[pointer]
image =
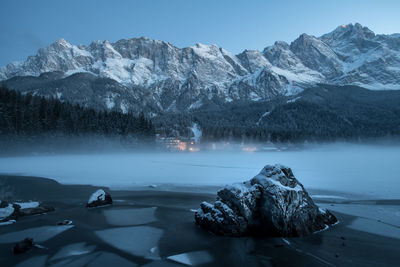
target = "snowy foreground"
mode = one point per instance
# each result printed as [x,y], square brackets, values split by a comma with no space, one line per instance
[371,171]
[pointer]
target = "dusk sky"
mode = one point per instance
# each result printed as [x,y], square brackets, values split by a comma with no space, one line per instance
[27,25]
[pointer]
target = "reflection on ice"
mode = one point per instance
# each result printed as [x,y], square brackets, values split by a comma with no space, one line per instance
[73,250]
[192,258]
[39,234]
[137,240]
[125,217]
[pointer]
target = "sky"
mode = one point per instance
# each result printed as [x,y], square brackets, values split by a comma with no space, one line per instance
[27,25]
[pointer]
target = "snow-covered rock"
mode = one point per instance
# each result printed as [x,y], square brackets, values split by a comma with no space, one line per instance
[273,203]
[6,210]
[99,198]
[12,211]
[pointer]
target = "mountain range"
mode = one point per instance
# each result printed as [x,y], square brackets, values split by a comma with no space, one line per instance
[143,74]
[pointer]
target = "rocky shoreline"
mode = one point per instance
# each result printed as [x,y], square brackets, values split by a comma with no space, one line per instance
[156,228]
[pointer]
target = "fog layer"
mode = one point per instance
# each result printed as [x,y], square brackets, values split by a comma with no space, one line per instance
[369,170]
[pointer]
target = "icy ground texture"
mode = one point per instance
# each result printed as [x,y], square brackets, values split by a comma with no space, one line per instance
[192,258]
[39,234]
[375,219]
[137,240]
[94,259]
[273,203]
[125,217]
[73,250]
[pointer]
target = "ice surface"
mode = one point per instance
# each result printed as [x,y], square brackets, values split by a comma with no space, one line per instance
[39,234]
[162,263]
[192,258]
[137,240]
[37,261]
[389,214]
[73,250]
[327,197]
[77,261]
[335,168]
[110,259]
[375,227]
[122,217]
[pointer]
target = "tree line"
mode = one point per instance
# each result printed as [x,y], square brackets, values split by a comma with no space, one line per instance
[28,115]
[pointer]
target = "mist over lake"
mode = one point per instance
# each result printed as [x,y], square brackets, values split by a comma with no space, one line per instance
[370,170]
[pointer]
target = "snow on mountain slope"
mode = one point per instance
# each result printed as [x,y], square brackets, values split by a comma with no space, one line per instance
[170,78]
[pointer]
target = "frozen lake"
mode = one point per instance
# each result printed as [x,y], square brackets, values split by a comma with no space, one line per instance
[370,170]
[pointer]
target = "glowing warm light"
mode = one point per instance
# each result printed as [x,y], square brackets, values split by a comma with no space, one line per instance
[182,146]
[194,149]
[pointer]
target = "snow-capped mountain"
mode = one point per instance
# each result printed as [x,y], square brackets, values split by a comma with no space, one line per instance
[169,78]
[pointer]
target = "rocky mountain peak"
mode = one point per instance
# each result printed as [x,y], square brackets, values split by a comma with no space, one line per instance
[167,76]
[348,33]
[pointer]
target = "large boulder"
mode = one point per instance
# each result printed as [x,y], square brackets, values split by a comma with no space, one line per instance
[273,203]
[99,198]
